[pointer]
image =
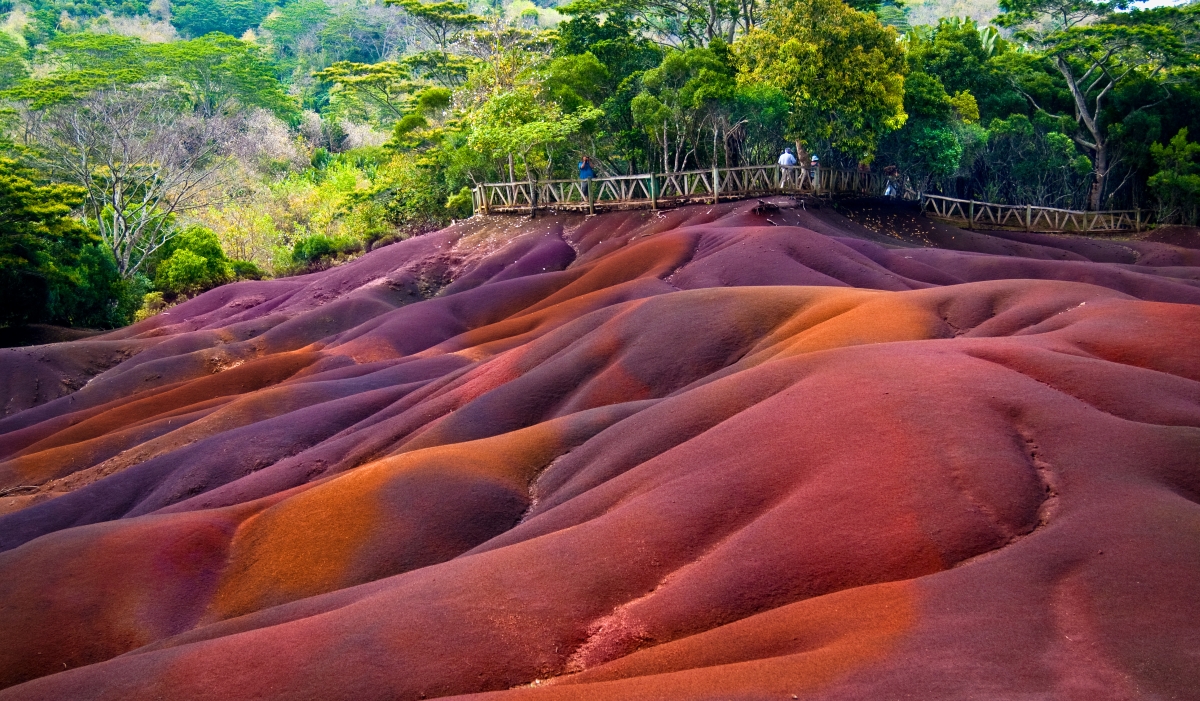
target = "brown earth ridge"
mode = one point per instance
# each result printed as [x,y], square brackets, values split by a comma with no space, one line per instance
[756,450]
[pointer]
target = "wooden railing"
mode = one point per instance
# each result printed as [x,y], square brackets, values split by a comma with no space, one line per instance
[651,191]
[985,215]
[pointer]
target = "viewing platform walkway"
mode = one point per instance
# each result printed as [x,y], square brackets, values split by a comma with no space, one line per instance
[666,190]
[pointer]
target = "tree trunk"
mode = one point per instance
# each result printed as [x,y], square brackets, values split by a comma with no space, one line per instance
[1099,177]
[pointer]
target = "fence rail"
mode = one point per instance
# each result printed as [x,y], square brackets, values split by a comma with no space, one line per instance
[652,191]
[986,215]
[670,189]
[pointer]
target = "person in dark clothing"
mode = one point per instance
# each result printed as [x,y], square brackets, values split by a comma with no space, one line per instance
[586,173]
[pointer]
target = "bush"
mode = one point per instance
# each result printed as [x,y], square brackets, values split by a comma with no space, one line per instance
[1176,185]
[317,247]
[245,270]
[196,264]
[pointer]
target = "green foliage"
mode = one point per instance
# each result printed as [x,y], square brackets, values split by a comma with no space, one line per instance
[199,17]
[211,74]
[842,70]
[1176,185]
[13,66]
[439,22]
[519,123]
[313,249]
[52,270]
[966,59]
[379,91]
[192,263]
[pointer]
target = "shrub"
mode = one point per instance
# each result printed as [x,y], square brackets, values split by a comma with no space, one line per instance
[196,264]
[317,247]
[1176,185]
[245,270]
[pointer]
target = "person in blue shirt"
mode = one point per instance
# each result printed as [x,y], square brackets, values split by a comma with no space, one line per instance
[586,173]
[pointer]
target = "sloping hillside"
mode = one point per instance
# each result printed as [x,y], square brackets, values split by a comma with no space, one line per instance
[753,450]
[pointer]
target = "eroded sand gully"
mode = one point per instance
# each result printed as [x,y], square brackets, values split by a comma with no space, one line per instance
[719,452]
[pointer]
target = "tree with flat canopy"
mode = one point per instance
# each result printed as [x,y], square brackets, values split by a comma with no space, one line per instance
[439,22]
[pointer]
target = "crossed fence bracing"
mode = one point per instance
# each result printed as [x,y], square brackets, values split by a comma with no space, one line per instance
[670,189]
[985,215]
[653,191]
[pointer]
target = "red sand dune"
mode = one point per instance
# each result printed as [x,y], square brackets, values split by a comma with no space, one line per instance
[749,451]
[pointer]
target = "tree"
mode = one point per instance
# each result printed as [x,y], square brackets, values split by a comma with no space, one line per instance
[139,159]
[220,74]
[517,122]
[1096,50]
[384,85]
[679,23]
[1177,182]
[686,94]
[842,70]
[196,263]
[52,270]
[439,21]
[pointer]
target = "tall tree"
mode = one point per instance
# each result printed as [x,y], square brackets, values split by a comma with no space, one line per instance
[1097,49]
[139,159]
[842,70]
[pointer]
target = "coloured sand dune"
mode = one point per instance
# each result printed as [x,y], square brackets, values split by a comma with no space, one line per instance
[748,451]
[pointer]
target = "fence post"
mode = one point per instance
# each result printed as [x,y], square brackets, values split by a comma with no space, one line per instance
[716,183]
[1028,217]
[971,216]
[483,195]
[653,191]
[591,192]
[533,199]
[1137,224]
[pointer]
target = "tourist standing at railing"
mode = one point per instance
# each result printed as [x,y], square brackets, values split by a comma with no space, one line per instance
[892,173]
[815,165]
[787,160]
[586,173]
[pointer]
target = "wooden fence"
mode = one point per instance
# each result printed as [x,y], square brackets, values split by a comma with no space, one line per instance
[985,215]
[654,191]
[651,191]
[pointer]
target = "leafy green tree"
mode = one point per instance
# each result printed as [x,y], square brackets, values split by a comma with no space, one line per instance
[1032,160]
[220,74]
[13,67]
[199,17]
[842,70]
[687,93]
[1176,185]
[680,23]
[53,270]
[519,123]
[1096,50]
[293,24]
[965,59]
[385,86]
[928,146]
[614,40]
[193,264]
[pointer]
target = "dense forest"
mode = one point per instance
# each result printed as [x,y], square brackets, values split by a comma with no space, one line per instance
[152,150]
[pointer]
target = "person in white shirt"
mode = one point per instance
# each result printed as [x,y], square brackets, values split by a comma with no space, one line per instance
[787,158]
